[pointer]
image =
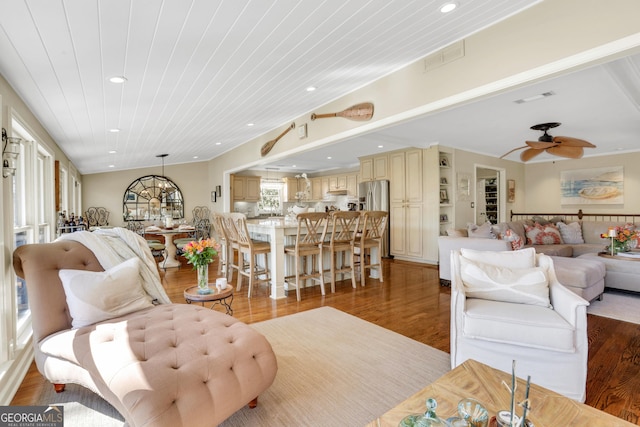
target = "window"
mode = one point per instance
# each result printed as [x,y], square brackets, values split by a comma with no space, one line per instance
[32,197]
[271,196]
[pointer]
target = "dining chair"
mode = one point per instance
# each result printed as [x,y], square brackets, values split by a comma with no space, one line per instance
[201,222]
[158,249]
[252,249]
[370,235]
[310,236]
[96,217]
[344,227]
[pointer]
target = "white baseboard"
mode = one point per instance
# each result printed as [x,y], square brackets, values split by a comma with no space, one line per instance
[13,374]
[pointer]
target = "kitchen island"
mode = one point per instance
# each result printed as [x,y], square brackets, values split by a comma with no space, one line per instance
[279,232]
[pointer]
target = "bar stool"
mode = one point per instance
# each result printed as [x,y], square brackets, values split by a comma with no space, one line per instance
[252,248]
[221,238]
[234,260]
[343,233]
[312,229]
[370,235]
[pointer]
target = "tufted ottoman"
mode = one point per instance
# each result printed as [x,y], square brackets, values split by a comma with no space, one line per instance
[171,365]
[168,365]
[584,277]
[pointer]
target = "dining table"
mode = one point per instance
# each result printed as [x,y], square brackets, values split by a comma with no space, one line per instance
[168,234]
[279,232]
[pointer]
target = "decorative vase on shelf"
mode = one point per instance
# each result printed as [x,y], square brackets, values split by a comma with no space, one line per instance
[203,279]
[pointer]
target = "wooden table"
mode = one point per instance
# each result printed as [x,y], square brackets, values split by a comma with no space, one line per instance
[635,256]
[167,234]
[483,383]
[217,296]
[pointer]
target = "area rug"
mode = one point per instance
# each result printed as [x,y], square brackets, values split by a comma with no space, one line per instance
[334,369]
[617,305]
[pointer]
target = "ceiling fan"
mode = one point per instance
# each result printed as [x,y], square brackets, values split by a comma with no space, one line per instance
[563,146]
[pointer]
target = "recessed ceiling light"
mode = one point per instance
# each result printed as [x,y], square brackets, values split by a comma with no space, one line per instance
[249,124]
[448,7]
[311,88]
[380,146]
[114,130]
[329,157]
[293,166]
[112,166]
[112,151]
[195,157]
[117,79]
[218,143]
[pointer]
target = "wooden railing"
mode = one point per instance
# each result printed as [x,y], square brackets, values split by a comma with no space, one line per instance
[570,217]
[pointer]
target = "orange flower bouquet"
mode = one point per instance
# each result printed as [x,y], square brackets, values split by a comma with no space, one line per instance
[622,238]
[200,254]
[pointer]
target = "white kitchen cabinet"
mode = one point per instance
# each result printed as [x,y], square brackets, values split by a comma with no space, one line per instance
[352,184]
[316,189]
[246,188]
[406,200]
[374,168]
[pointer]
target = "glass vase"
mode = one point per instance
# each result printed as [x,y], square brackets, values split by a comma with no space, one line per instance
[203,279]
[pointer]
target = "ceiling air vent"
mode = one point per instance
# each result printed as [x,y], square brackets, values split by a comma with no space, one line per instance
[444,56]
[534,97]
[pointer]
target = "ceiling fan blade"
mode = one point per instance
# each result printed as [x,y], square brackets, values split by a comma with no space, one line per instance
[566,151]
[529,154]
[541,145]
[515,149]
[568,141]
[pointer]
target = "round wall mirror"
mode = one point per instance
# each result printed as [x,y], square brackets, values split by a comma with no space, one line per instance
[151,198]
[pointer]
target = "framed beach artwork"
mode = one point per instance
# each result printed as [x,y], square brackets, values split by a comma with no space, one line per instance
[597,186]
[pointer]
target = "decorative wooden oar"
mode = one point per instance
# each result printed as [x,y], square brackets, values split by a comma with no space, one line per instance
[269,145]
[360,112]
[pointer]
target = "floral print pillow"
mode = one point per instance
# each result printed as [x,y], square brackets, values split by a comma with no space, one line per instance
[543,234]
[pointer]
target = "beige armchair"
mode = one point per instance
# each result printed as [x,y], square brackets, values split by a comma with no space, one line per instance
[549,343]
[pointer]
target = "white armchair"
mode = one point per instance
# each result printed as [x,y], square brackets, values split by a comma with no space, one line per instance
[548,342]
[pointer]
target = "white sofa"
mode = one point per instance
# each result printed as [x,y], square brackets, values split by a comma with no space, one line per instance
[549,343]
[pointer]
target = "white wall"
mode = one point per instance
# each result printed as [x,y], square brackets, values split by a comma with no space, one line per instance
[466,162]
[107,189]
[542,186]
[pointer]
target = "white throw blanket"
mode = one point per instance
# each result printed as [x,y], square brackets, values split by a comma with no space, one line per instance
[115,245]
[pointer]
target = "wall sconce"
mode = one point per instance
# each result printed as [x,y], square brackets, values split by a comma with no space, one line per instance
[10,153]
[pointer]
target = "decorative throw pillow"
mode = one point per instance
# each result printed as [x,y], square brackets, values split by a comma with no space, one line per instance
[457,232]
[543,221]
[516,241]
[499,229]
[480,231]
[571,233]
[96,296]
[525,258]
[543,234]
[515,285]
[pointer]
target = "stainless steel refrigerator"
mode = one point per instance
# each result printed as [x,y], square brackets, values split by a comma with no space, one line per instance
[374,196]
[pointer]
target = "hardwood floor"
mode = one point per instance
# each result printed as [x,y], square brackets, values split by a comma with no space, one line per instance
[411,302]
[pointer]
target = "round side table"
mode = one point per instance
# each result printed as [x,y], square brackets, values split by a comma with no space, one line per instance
[224,297]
